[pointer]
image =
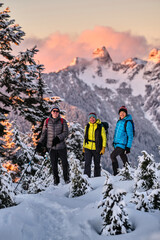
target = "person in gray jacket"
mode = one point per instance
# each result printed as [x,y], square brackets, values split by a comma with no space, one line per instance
[57,130]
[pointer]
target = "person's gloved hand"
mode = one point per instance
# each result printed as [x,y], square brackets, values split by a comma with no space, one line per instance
[102,151]
[83,150]
[127,150]
[39,147]
[55,141]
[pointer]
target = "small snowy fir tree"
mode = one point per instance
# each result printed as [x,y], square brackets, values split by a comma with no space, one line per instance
[6,189]
[126,173]
[141,201]
[145,175]
[43,177]
[79,183]
[75,141]
[115,218]
[26,158]
[154,199]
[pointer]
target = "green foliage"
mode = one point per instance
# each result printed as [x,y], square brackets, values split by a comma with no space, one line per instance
[126,173]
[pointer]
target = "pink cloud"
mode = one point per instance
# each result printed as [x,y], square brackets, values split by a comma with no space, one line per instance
[58,50]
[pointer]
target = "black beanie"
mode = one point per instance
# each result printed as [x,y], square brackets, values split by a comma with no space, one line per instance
[55,107]
[124,109]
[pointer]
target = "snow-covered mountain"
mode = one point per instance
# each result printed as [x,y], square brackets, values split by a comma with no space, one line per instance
[103,86]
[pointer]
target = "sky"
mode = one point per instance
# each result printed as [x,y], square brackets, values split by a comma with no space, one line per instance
[64,29]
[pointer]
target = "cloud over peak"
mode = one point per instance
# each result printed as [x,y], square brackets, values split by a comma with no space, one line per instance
[58,50]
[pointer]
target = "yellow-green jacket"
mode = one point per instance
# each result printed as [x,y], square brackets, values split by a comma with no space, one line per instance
[96,137]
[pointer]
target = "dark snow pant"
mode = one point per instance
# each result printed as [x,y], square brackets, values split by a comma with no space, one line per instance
[121,152]
[88,160]
[62,154]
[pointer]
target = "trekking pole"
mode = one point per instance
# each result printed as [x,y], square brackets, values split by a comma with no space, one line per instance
[45,159]
[25,171]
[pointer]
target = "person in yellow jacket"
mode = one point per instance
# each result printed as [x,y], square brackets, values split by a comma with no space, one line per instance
[94,144]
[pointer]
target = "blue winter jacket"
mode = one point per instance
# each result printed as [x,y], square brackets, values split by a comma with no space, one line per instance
[123,138]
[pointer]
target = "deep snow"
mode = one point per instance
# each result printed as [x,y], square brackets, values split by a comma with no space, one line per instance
[52,215]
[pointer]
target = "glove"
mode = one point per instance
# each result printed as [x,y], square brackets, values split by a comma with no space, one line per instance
[102,151]
[127,150]
[83,150]
[55,141]
[39,147]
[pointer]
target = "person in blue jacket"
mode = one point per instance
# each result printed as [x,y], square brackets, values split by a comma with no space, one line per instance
[123,137]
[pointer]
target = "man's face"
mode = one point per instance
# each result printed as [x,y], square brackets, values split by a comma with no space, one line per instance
[55,113]
[122,114]
[92,120]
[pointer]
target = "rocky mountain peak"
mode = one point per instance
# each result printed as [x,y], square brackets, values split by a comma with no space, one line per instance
[75,61]
[102,55]
[154,55]
[134,61]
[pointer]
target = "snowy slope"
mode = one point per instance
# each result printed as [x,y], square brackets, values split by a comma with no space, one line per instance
[51,215]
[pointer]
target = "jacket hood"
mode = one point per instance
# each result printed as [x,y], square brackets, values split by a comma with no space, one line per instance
[128,117]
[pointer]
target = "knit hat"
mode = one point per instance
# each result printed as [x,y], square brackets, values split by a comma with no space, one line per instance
[55,107]
[124,109]
[92,115]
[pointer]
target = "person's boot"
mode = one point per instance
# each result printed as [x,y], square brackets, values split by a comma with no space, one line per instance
[56,181]
[115,168]
[67,181]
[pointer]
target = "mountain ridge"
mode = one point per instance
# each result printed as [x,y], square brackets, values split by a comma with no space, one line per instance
[103,86]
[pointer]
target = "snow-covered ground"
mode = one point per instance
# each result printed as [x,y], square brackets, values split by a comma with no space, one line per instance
[52,215]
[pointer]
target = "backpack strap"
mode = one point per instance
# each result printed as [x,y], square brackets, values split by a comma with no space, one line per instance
[86,133]
[48,120]
[62,121]
[125,126]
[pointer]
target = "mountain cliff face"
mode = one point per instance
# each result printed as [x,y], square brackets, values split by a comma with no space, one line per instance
[102,86]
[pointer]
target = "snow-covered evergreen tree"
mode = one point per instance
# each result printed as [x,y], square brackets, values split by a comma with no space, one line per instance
[79,183]
[22,87]
[154,199]
[8,144]
[9,33]
[141,201]
[146,173]
[75,141]
[114,215]
[147,184]
[6,189]
[26,158]
[43,176]
[126,173]
[43,107]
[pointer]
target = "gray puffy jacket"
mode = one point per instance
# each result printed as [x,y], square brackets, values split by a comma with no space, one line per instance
[55,128]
